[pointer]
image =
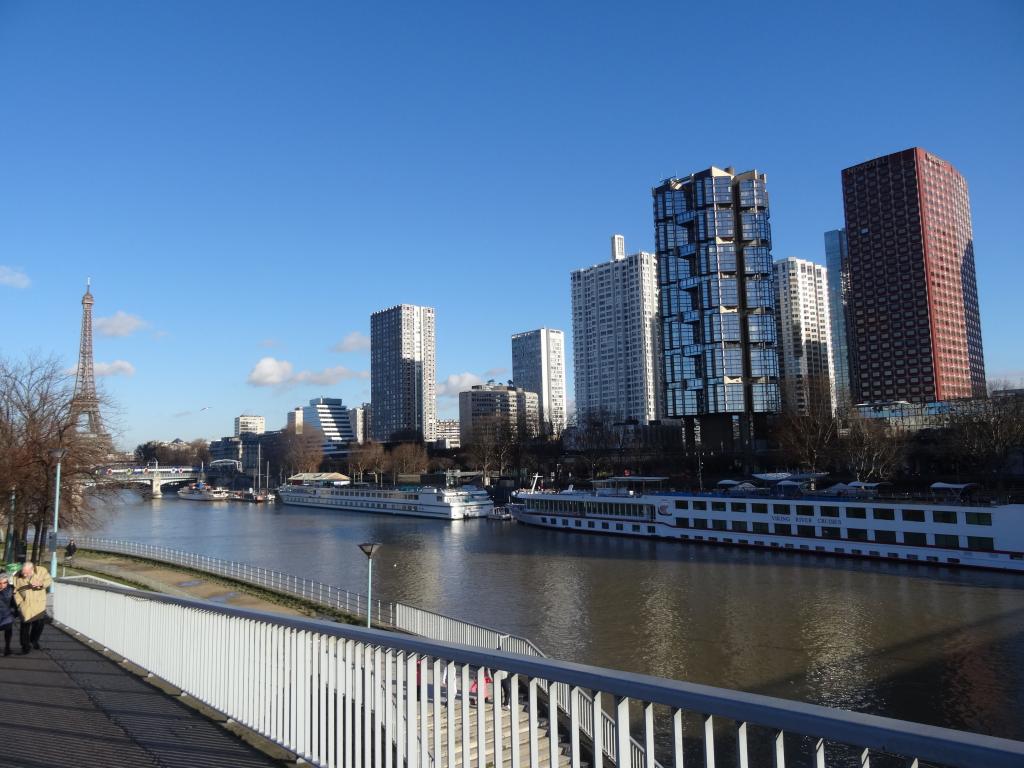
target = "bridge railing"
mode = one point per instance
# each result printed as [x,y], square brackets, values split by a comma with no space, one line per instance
[387,614]
[339,695]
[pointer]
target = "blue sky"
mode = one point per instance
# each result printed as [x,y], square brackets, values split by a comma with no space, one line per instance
[248,180]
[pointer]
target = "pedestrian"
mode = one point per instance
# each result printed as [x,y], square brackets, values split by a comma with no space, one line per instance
[7,610]
[506,684]
[30,585]
[69,551]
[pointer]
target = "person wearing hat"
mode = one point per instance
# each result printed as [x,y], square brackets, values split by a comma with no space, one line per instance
[30,585]
[7,610]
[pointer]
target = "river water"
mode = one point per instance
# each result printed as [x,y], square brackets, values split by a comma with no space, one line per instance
[933,645]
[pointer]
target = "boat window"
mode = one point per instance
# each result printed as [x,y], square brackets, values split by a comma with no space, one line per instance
[857,534]
[830,532]
[804,509]
[979,518]
[780,509]
[760,527]
[856,513]
[829,511]
[885,537]
[805,530]
[700,523]
[943,516]
[760,509]
[700,505]
[718,506]
[682,504]
[880,513]
[915,539]
[739,525]
[980,542]
[682,522]
[947,540]
[912,515]
[738,506]
[783,529]
[719,525]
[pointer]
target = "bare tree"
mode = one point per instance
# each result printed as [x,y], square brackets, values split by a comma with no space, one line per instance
[809,435]
[482,446]
[408,459]
[365,458]
[593,439]
[302,452]
[871,449]
[37,419]
[982,435]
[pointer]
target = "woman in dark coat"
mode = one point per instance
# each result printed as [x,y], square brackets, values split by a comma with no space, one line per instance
[7,610]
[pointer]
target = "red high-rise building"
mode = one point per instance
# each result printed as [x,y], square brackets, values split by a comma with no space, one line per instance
[913,325]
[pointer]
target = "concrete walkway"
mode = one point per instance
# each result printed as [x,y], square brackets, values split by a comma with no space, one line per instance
[69,705]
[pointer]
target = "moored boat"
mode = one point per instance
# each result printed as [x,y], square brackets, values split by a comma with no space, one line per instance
[203,492]
[937,530]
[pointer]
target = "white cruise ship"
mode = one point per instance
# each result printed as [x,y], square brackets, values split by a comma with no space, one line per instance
[937,532]
[444,503]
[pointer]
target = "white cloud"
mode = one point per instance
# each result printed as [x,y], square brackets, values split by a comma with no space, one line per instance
[120,324]
[353,342]
[271,372]
[457,382]
[14,278]
[494,373]
[115,368]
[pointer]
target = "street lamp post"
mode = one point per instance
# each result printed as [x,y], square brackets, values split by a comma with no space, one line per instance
[369,548]
[58,454]
[8,545]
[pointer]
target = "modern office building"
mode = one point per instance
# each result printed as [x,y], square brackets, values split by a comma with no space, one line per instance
[538,365]
[294,423]
[357,420]
[617,337]
[403,373]
[491,402]
[717,305]
[806,370]
[332,418]
[257,425]
[836,262]
[913,323]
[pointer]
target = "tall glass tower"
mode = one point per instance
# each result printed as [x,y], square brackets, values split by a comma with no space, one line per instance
[717,304]
[836,261]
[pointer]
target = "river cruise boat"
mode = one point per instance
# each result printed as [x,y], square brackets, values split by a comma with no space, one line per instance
[420,501]
[941,530]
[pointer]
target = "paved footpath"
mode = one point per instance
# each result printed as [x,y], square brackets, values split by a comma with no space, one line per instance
[68,705]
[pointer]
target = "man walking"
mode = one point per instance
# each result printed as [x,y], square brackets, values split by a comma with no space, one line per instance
[30,585]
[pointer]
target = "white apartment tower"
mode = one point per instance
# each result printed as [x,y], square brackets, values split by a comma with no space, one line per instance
[403,373]
[617,336]
[806,366]
[538,365]
[257,425]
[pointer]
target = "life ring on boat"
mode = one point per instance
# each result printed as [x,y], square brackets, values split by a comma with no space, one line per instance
[663,509]
[109,471]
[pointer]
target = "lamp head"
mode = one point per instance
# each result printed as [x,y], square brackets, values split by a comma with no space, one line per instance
[59,453]
[370,548]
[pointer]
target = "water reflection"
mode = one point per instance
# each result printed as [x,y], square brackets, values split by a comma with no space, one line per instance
[931,645]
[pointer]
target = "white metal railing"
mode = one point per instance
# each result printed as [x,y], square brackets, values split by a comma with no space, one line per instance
[394,615]
[339,695]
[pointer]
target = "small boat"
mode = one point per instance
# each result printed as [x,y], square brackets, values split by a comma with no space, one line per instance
[503,514]
[203,492]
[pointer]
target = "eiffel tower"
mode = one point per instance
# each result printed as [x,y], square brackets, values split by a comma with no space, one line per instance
[85,406]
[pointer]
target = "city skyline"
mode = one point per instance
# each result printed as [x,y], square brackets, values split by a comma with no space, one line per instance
[173,202]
